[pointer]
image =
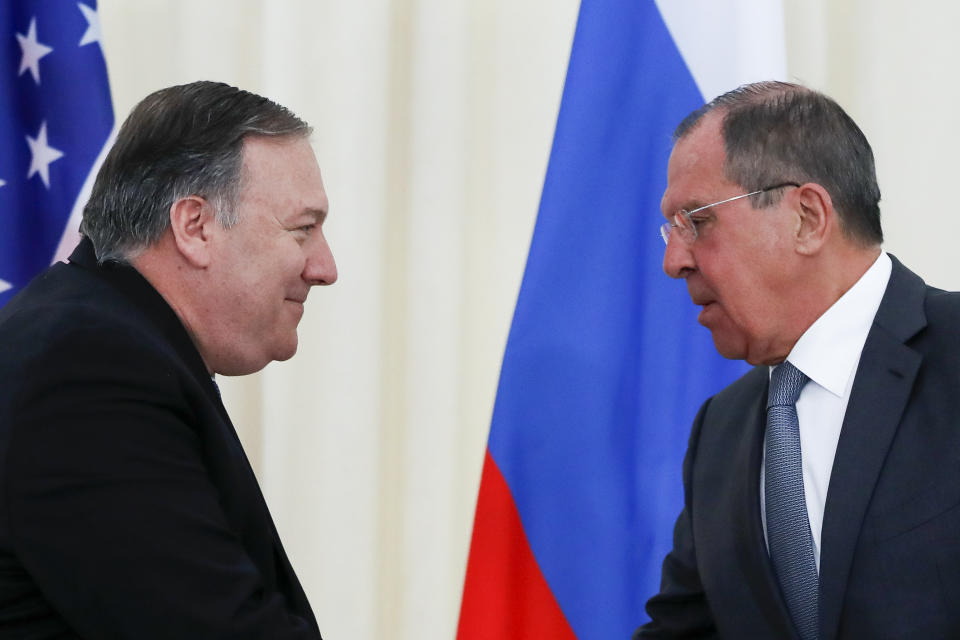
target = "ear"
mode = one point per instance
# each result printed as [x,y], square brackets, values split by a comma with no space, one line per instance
[816,218]
[191,222]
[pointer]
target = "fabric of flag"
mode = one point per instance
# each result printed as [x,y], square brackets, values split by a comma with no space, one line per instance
[605,365]
[55,121]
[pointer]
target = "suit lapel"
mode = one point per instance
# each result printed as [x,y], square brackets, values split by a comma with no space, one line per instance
[731,547]
[761,579]
[879,396]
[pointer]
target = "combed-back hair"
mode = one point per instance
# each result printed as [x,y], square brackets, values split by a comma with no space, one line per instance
[177,142]
[775,132]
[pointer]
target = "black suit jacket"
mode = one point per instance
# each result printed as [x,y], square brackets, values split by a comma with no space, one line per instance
[127,506]
[890,544]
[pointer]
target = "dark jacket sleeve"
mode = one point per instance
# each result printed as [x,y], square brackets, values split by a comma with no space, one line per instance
[109,504]
[681,609]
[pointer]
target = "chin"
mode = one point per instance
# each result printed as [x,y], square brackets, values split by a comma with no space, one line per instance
[286,351]
[732,349]
[740,350]
[243,368]
[285,355]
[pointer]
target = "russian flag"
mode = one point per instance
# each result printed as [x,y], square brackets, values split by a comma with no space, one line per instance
[605,365]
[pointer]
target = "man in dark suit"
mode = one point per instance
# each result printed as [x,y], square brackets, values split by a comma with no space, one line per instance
[822,489]
[127,506]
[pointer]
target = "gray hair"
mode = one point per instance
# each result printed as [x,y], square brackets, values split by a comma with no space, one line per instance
[775,132]
[180,141]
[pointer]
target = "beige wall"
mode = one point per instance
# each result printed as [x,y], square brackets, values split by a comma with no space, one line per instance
[892,65]
[433,124]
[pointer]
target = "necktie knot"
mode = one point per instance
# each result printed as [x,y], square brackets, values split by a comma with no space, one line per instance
[786,383]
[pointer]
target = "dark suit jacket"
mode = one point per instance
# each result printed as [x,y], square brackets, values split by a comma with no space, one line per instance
[890,559]
[127,506]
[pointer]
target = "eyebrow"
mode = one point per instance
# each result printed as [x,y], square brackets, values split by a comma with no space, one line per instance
[320,215]
[697,205]
[691,205]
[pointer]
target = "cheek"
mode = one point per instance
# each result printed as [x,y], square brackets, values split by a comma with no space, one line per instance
[296,261]
[739,295]
[277,268]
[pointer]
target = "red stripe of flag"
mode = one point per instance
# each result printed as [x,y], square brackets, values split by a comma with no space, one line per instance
[505,596]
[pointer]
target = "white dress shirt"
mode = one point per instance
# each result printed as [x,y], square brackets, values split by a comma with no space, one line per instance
[828,352]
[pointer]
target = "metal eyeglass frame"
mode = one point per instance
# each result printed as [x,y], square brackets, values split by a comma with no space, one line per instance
[684,223]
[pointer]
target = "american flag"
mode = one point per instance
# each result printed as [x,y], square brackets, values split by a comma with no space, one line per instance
[56,120]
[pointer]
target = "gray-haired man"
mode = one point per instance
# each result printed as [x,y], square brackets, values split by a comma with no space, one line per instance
[822,487]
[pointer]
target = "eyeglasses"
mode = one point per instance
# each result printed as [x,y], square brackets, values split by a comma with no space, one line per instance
[686,225]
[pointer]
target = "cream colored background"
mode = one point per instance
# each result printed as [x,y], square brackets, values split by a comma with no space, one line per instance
[433,122]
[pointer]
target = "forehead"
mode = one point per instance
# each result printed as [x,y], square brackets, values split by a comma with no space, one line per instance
[695,172]
[282,173]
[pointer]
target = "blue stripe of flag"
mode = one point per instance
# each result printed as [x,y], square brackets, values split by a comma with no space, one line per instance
[605,364]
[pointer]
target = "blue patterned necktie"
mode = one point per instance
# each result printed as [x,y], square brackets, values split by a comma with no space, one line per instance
[788,526]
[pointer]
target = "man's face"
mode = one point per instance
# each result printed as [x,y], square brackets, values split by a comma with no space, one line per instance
[264,266]
[739,268]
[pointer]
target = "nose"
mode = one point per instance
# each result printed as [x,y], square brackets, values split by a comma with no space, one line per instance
[678,259]
[320,268]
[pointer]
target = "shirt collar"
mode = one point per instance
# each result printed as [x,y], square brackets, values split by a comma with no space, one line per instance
[829,350]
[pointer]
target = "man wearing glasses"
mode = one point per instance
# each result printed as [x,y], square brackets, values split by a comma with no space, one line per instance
[822,489]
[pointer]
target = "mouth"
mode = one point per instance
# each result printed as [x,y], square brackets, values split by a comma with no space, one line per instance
[702,296]
[298,305]
[707,306]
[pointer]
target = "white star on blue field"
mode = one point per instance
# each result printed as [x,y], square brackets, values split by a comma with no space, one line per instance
[55,118]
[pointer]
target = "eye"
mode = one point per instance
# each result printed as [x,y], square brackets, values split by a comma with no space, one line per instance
[303,232]
[699,219]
